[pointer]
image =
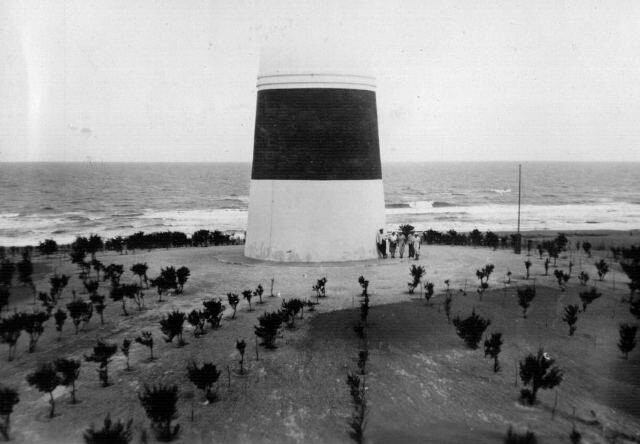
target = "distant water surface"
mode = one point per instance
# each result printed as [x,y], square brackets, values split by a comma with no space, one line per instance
[63,200]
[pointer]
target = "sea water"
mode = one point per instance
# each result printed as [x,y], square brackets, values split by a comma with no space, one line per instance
[64,200]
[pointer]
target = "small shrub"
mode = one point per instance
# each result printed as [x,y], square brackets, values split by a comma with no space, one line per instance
[364,284]
[10,330]
[634,307]
[363,356]
[603,269]
[241,346]
[268,329]
[492,348]
[69,370]
[58,284]
[527,265]
[248,294]
[575,437]
[204,377]
[140,270]
[197,320]
[233,300]
[172,326]
[125,348]
[160,404]
[46,379]
[583,277]
[48,247]
[448,299]
[80,312]
[417,272]
[258,292]
[213,311]
[60,316]
[587,297]
[428,291]
[562,279]
[520,438]
[146,339]
[471,329]
[113,272]
[627,339]
[110,433]
[131,291]
[182,274]
[161,286]
[525,296]
[5,294]
[102,353]
[539,372]
[290,309]
[320,289]
[546,266]
[91,286]
[33,324]
[484,274]
[630,264]
[98,303]
[8,398]
[571,317]
[586,246]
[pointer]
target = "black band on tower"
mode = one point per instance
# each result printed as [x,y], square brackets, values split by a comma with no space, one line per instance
[316,134]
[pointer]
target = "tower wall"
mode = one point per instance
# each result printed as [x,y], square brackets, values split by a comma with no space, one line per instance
[316,189]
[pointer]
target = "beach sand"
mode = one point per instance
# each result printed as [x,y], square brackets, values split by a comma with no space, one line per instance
[424,385]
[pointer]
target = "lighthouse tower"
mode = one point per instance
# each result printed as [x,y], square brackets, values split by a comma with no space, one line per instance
[316,190]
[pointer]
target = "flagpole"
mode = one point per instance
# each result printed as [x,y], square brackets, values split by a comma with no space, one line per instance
[519,185]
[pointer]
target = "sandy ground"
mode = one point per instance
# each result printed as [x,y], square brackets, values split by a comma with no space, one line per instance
[424,385]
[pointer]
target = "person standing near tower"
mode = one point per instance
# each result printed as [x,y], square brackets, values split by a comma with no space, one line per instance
[402,240]
[393,242]
[410,242]
[382,244]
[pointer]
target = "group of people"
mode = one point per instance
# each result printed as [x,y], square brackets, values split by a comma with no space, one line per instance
[398,242]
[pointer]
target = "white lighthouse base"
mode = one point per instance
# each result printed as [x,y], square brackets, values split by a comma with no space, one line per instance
[314,221]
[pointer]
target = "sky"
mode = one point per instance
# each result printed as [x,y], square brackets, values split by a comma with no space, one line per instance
[167,80]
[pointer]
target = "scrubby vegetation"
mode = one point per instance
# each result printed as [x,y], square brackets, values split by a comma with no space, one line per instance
[587,297]
[46,378]
[539,372]
[417,272]
[204,377]
[492,348]
[471,328]
[110,433]
[102,353]
[160,404]
[8,399]
[267,330]
[571,317]
[525,296]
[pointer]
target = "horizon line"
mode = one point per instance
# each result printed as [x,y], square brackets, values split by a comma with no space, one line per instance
[251,161]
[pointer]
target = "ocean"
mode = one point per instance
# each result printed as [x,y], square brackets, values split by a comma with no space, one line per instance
[63,200]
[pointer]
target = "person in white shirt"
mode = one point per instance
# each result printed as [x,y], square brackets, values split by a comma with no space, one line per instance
[402,241]
[393,242]
[417,241]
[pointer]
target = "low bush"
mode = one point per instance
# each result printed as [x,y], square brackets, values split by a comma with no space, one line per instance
[471,329]
[110,433]
[160,404]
